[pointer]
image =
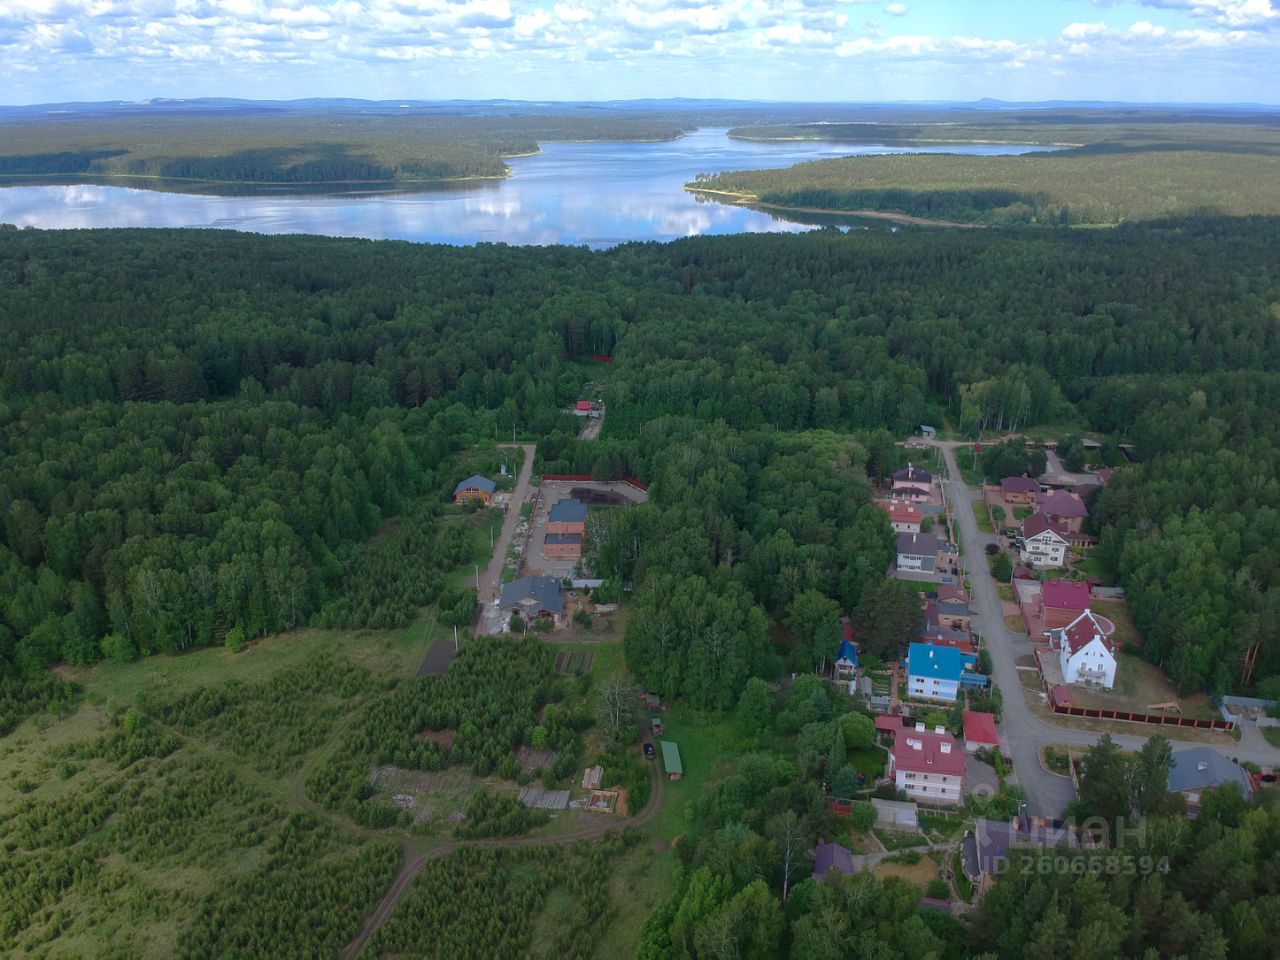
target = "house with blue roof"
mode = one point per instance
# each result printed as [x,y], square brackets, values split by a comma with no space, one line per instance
[847,659]
[938,673]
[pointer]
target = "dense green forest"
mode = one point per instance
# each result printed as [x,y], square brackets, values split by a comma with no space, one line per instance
[200,430]
[298,147]
[1113,172]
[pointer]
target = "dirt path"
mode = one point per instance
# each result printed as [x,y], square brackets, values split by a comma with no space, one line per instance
[597,826]
[488,620]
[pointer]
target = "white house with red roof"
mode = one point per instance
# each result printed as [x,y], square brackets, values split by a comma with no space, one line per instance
[928,765]
[1044,542]
[979,730]
[903,515]
[1085,652]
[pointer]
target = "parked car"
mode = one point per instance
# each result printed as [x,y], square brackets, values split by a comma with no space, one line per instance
[649,752]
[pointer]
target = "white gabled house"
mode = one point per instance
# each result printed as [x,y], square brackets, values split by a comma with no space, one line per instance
[1085,652]
[1043,543]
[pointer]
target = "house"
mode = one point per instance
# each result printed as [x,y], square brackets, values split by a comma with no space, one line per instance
[1085,653]
[903,516]
[1043,543]
[1064,508]
[952,611]
[831,856]
[913,477]
[583,408]
[476,488]
[1196,769]
[567,516]
[929,766]
[918,551]
[847,659]
[532,598]
[562,546]
[979,730]
[671,760]
[949,630]
[1062,601]
[1019,489]
[985,849]
[937,672]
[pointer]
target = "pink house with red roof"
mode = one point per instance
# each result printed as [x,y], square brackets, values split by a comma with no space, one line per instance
[1085,652]
[1019,489]
[903,516]
[928,765]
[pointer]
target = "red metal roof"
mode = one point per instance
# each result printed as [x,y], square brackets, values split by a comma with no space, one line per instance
[930,756]
[980,727]
[1081,631]
[584,404]
[888,723]
[1065,595]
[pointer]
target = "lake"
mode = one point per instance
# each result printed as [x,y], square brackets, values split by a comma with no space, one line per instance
[597,194]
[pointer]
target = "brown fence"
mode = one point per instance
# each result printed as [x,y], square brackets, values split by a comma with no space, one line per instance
[1130,716]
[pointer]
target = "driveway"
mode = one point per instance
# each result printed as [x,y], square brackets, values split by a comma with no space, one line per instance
[1047,793]
[488,620]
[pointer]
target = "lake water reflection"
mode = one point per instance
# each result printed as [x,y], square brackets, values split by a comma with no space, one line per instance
[598,194]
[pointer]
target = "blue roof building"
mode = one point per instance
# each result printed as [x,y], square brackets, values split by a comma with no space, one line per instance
[936,673]
[570,510]
[847,657]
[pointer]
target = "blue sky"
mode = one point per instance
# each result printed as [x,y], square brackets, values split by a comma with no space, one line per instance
[1143,50]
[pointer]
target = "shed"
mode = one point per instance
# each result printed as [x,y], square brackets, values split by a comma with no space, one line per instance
[888,723]
[671,760]
[979,730]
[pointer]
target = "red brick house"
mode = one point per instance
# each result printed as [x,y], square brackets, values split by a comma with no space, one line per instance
[562,546]
[1019,489]
[567,517]
[473,489]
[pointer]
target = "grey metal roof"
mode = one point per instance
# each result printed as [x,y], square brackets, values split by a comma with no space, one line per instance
[532,594]
[570,510]
[919,544]
[564,538]
[477,483]
[1196,768]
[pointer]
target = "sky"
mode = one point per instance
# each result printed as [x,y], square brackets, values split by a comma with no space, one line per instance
[1203,51]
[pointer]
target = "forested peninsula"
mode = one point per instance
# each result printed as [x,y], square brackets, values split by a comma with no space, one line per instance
[293,148]
[1107,171]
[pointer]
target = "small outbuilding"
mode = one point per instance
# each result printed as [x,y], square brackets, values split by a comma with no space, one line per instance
[671,760]
[979,730]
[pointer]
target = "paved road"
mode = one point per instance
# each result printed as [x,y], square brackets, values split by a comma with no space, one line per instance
[488,620]
[1025,733]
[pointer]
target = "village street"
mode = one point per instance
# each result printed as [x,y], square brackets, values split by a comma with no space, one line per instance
[488,621]
[1026,734]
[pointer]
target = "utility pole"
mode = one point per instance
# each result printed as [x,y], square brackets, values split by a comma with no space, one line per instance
[477,579]
[455,638]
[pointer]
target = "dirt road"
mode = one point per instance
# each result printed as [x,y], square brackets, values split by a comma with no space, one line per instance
[488,619]
[593,825]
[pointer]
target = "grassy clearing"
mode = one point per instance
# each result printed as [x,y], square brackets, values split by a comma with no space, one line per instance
[1272,735]
[639,882]
[702,746]
[919,873]
[870,763]
[1117,611]
[381,652]
[980,515]
[1014,624]
[899,841]
[1005,592]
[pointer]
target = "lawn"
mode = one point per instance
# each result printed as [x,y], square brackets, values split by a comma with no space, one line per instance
[981,516]
[639,882]
[899,841]
[702,746]
[1117,611]
[1014,624]
[1021,513]
[919,873]
[1005,592]
[1089,567]
[1272,735]
[870,763]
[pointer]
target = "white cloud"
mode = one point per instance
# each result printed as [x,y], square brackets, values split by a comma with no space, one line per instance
[896,9]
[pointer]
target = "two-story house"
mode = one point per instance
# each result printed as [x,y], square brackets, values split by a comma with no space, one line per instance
[1043,542]
[928,765]
[1085,652]
[937,672]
